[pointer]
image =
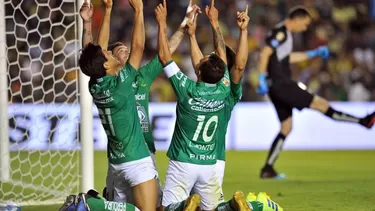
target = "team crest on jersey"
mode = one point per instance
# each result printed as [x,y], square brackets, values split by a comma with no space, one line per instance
[280,36]
[142,117]
[225,81]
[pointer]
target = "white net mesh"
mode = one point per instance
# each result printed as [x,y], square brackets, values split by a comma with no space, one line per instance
[43,113]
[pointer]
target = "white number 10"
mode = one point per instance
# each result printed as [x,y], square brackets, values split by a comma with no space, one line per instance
[201,119]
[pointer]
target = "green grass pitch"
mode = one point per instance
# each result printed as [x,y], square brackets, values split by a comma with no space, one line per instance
[316,180]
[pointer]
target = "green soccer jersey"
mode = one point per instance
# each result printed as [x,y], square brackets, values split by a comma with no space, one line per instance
[199,106]
[232,100]
[143,80]
[114,98]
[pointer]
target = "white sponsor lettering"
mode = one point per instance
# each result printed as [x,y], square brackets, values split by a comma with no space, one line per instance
[115,206]
[208,147]
[140,97]
[204,105]
[202,157]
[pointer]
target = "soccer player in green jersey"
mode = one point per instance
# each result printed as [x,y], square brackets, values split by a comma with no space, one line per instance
[111,88]
[144,78]
[200,104]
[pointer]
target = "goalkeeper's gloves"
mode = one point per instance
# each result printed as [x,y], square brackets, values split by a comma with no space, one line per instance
[262,87]
[321,51]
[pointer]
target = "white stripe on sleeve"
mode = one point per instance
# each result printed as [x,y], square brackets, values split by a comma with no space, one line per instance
[171,69]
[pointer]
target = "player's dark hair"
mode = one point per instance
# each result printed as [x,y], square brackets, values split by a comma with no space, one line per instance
[212,70]
[92,61]
[231,57]
[299,12]
[114,45]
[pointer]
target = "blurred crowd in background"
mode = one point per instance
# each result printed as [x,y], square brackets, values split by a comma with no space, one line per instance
[346,26]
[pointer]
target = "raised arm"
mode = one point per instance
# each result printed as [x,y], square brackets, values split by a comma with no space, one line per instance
[195,51]
[213,16]
[242,49]
[103,37]
[138,37]
[175,40]
[86,12]
[296,57]
[163,49]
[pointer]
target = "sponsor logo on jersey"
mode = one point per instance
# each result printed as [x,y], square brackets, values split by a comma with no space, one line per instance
[204,105]
[142,118]
[140,97]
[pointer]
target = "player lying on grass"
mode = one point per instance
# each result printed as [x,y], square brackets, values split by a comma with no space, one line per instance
[113,94]
[144,78]
[285,94]
[92,201]
[193,151]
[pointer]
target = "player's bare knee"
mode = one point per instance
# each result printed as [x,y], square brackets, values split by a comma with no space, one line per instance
[286,126]
[319,104]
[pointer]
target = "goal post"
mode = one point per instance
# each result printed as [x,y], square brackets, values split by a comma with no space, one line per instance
[86,135]
[4,137]
[46,110]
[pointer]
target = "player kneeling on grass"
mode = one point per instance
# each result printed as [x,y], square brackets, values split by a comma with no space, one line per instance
[91,201]
[111,87]
[192,151]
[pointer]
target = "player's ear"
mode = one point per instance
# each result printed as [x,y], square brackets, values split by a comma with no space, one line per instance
[106,65]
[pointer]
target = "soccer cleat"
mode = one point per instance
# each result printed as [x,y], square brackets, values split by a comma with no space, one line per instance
[268,204]
[81,202]
[270,173]
[69,204]
[192,202]
[239,202]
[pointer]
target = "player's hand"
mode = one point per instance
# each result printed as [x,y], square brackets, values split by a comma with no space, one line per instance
[262,86]
[211,12]
[161,13]
[137,5]
[192,10]
[192,25]
[86,11]
[108,4]
[243,19]
[323,52]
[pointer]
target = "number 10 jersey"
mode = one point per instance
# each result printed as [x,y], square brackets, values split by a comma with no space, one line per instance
[199,106]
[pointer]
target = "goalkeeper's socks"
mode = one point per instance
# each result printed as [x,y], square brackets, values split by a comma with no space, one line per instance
[276,147]
[340,116]
[190,204]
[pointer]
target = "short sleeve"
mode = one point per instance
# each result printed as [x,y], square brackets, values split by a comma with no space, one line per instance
[126,77]
[181,84]
[152,69]
[276,37]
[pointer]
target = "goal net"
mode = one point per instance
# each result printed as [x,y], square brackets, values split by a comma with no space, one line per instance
[43,111]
